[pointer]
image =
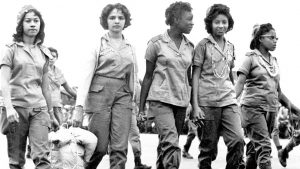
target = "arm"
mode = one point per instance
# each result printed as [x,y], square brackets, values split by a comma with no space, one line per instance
[197,113]
[47,95]
[239,87]
[12,115]
[147,81]
[88,70]
[287,103]
[69,89]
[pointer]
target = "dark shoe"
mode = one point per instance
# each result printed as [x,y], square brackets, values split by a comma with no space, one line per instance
[186,155]
[142,166]
[28,151]
[282,156]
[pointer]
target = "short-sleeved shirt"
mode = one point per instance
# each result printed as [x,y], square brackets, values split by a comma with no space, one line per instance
[56,79]
[170,77]
[107,61]
[215,87]
[261,89]
[26,65]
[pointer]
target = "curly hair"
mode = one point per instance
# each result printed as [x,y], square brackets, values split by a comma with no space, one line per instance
[175,10]
[18,36]
[108,8]
[261,30]
[213,12]
[51,49]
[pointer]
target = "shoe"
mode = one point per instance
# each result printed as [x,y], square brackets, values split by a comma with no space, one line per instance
[186,155]
[142,166]
[28,155]
[282,156]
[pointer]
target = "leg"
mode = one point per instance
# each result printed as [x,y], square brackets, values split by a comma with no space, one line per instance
[134,137]
[258,133]
[38,137]
[168,150]
[119,131]
[190,137]
[209,137]
[16,140]
[284,153]
[99,124]
[250,156]
[233,136]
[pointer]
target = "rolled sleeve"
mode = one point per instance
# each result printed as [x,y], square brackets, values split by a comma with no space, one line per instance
[246,66]
[151,54]
[199,55]
[7,57]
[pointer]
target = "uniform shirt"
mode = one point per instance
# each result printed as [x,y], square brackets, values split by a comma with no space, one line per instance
[170,81]
[260,88]
[215,86]
[56,79]
[107,61]
[26,65]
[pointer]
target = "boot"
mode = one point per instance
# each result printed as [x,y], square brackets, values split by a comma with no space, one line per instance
[284,153]
[139,165]
[186,154]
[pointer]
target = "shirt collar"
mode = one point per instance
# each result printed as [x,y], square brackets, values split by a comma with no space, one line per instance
[107,38]
[212,40]
[257,52]
[166,38]
[21,43]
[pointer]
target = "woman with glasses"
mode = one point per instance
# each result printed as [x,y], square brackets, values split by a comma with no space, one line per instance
[259,77]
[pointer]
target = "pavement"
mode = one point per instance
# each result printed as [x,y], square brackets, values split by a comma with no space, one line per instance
[149,143]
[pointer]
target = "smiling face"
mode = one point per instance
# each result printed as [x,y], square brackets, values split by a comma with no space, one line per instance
[220,25]
[31,25]
[269,40]
[185,22]
[116,21]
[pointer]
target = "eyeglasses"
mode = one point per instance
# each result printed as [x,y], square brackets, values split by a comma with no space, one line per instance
[271,37]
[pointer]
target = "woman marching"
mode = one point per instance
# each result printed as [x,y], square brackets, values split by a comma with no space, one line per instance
[214,98]
[166,82]
[24,81]
[259,74]
[107,88]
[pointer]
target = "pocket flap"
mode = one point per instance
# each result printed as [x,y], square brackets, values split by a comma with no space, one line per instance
[96,88]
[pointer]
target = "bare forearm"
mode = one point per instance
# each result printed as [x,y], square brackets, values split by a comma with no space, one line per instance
[46,91]
[195,86]
[147,81]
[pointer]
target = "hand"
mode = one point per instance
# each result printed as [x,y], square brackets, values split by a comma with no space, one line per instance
[77,116]
[197,116]
[54,124]
[12,115]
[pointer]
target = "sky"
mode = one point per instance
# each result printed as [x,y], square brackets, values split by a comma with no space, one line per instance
[73,27]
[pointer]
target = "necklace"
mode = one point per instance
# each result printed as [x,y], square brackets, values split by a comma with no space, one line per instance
[272,68]
[225,67]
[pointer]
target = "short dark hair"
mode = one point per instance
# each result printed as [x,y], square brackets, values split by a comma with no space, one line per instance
[18,36]
[175,11]
[213,12]
[108,8]
[51,49]
[263,29]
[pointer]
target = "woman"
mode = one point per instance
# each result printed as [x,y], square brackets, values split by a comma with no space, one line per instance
[214,99]
[108,89]
[166,82]
[24,81]
[259,74]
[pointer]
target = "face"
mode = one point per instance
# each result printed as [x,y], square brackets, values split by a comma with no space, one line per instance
[116,21]
[220,25]
[31,24]
[54,59]
[185,23]
[269,40]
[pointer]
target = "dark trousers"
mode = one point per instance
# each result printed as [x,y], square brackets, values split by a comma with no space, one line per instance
[169,120]
[226,122]
[258,125]
[192,132]
[33,123]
